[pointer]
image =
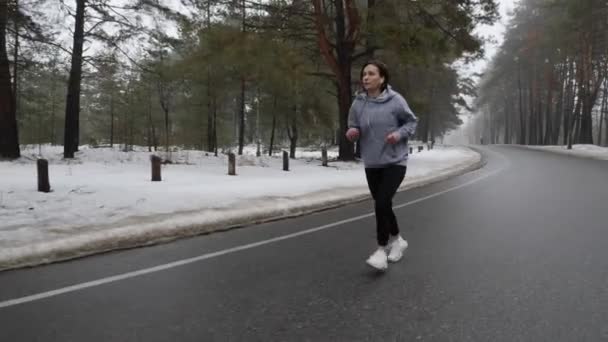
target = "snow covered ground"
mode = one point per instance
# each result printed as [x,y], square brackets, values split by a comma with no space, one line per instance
[588,151]
[104,198]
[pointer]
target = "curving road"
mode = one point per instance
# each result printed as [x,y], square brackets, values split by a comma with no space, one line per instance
[514,251]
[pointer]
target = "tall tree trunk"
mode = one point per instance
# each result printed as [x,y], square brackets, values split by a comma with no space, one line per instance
[585,135]
[428,131]
[531,115]
[340,61]
[54,103]
[344,52]
[559,105]
[602,115]
[167,129]
[522,115]
[112,119]
[242,103]
[573,126]
[131,127]
[588,91]
[124,131]
[16,60]
[165,94]
[39,135]
[292,124]
[274,126]
[548,115]
[152,140]
[605,113]
[210,122]
[215,124]
[539,110]
[531,126]
[9,137]
[53,110]
[72,108]
[569,104]
[127,131]
[293,137]
[149,140]
[507,118]
[577,122]
[242,117]
[258,140]
[580,102]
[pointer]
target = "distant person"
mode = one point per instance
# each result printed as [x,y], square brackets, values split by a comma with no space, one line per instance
[382,121]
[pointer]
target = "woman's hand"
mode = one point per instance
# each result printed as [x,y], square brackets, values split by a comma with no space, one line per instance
[393,138]
[352,134]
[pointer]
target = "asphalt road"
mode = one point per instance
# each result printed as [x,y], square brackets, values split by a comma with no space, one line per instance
[514,251]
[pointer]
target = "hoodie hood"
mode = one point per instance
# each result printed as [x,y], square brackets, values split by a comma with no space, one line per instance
[385,96]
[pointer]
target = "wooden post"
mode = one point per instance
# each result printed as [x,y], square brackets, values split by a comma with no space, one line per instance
[285,161]
[258,152]
[43,175]
[155,168]
[231,164]
[324,156]
[411,150]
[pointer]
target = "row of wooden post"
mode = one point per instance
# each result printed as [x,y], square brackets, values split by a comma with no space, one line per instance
[156,163]
[421,148]
[43,167]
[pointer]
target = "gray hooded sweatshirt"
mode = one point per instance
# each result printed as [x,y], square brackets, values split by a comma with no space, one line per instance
[376,118]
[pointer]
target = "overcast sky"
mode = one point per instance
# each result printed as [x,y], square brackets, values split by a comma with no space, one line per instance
[495,33]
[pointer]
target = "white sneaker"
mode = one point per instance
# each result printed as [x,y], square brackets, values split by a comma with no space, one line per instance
[397,247]
[378,260]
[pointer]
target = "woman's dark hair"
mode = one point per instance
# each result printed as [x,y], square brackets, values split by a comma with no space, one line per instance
[382,69]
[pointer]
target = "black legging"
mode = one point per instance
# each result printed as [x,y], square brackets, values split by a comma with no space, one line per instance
[383,183]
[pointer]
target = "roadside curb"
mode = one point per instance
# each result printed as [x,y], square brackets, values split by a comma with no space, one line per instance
[151,230]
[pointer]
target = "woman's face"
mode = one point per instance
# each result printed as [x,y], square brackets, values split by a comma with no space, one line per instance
[371,79]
